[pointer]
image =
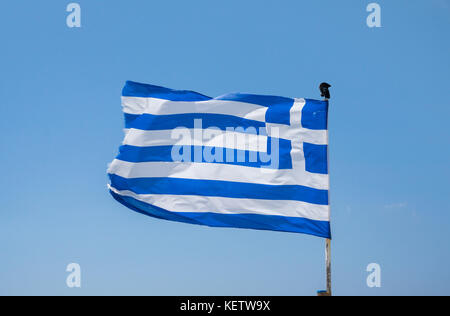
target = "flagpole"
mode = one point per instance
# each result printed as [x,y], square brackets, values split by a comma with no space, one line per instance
[326,94]
[328,264]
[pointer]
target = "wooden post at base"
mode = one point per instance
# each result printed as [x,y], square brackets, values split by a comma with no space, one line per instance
[328,264]
[327,268]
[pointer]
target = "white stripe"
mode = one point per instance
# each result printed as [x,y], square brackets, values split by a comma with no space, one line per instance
[221,172]
[136,105]
[317,137]
[196,137]
[221,205]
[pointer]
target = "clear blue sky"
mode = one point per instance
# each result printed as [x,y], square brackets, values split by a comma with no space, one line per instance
[61,124]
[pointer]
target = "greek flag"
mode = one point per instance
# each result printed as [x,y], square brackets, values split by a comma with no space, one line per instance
[238,160]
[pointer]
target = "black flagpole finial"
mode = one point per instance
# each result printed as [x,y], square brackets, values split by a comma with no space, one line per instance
[324,90]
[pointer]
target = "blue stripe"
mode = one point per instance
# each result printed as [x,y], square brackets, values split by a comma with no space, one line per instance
[278,107]
[160,122]
[315,114]
[135,89]
[316,159]
[250,221]
[241,190]
[263,100]
[240,157]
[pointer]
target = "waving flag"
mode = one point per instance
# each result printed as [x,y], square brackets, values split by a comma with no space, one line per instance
[238,160]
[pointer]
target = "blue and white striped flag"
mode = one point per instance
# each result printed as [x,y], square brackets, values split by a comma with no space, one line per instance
[238,160]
